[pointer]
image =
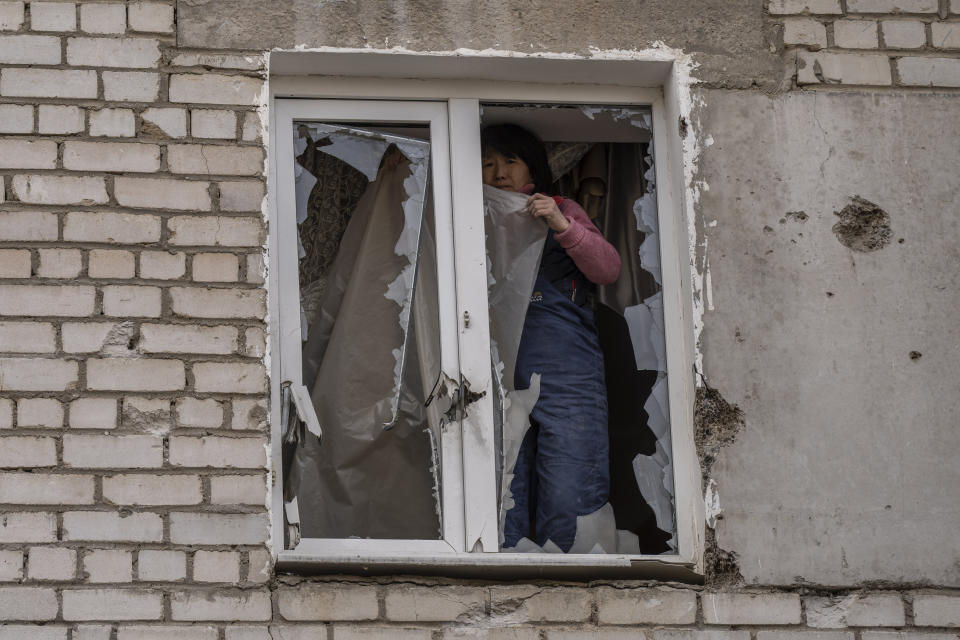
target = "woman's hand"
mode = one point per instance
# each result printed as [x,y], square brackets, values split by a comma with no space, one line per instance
[545,208]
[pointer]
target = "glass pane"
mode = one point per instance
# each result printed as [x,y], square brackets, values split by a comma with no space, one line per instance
[371,351]
[578,343]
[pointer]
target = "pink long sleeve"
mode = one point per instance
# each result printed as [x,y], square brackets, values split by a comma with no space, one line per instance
[586,246]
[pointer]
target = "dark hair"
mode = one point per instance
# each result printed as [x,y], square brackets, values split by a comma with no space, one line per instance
[514,141]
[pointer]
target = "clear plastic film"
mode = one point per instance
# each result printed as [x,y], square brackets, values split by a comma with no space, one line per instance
[371,353]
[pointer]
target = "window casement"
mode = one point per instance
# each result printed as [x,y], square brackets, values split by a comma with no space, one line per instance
[395,426]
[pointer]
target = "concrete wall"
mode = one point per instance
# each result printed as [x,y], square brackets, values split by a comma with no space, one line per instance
[132,379]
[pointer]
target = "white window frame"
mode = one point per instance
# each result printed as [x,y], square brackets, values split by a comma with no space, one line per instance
[354,81]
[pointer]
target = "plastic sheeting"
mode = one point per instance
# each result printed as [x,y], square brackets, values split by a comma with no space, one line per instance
[372,354]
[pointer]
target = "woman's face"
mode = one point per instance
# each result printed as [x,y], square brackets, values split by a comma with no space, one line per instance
[509,174]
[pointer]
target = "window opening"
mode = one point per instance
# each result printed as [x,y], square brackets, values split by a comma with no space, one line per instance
[602,158]
[370,334]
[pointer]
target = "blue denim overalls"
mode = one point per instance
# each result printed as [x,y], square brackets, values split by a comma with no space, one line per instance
[562,469]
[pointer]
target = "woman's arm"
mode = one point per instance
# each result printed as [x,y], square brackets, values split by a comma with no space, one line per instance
[584,243]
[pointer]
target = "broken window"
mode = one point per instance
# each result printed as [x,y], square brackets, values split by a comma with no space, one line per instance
[403,284]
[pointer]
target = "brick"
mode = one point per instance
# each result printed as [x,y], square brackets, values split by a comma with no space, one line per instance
[53,16]
[49,83]
[115,228]
[28,154]
[108,263]
[855,34]
[11,565]
[112,452]
[241,196]
[28,452]
[143,374]
[646,606]
[22,49]
[15,263]
[90,337]
[172,338]
[804,31]
[855,610]
[503,633]
[205,159]
[59,119]
[215,231]
[111,156]
[152,490]
[167,632]
[845,68]
[112,123]
[52,563]
[207,267]
[231,605]
[45,488]
[929,72]
[131,86]
[906,635]
[538,604]
[251,127]
[33,632]
[108,565]
[229,377]
[39,412]
[101,17]
[256,342]
[151,414]
[162,265]
[194,412]
[28,527]
[218,61]
[92,632]
[138,53]
[259,566]
[218,528]
[46,300]
[210,88]
[112,604]
[215,303]
[331,601]
[26,337]
[213,123]
[691,634]
[216,566]
[380,633]
[59,190]
[904,34]
[29,374]
[936,610]
[161,566]
[748,608]
[151,17]
[134,301]
[804,635]
[164,122]
[93,413]
[162,193]
[249,414]
[892,6]
[30,226]
[60,263]
[945,35]
[6,413]
[11,16]
[434,603]
[110,526]
[217,451]
[16,118]
[826,7]
[238,490]
[28,603]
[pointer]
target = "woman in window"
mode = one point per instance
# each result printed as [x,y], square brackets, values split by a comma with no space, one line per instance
[562,468]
